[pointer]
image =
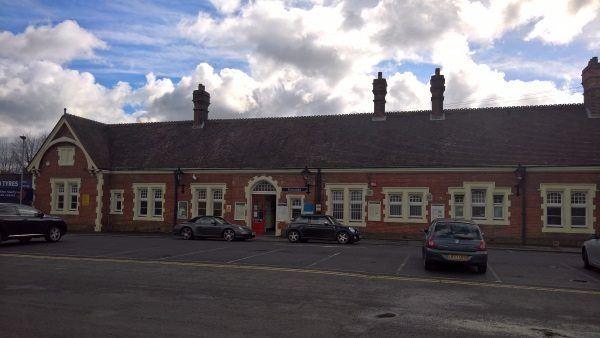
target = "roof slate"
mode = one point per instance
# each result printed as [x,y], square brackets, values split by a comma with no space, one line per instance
[557,135]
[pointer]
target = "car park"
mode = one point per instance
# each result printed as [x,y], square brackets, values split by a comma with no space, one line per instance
[212,226]
[590,252]
[320,227]
[454,242]
[23,223]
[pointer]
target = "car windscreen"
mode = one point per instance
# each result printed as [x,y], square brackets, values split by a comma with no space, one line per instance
[332,220]
[220,220]
[456,231]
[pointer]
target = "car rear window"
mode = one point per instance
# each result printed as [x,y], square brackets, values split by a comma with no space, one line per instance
[456,231]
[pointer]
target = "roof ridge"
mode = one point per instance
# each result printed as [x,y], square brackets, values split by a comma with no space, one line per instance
[84,118]
[341,115]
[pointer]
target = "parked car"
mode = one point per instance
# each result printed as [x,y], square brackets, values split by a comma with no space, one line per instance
[212,226]
[22,222]
[322,227]
[590,252]
[457,242]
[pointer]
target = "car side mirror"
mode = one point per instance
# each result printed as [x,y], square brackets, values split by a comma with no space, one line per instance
[482,234]
[426,231]
[39,214]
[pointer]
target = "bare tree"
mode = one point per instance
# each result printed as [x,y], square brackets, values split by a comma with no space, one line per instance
[11,160]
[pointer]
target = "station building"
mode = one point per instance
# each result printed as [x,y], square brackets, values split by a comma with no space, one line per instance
[526,174]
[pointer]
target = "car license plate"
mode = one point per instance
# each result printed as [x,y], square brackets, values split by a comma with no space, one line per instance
[459,258]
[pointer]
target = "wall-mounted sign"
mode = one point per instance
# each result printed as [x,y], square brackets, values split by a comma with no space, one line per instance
[282,212]
[228,208]
[294,189]
[437,211]
[9,188]
[308,209]
[182,210]
[85,200]
[374,211]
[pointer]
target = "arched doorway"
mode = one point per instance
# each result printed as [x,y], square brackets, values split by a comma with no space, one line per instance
[264,208]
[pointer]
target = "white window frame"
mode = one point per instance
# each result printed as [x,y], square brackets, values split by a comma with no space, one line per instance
[346,188]
[405,192]
[136,187]
[490,190]
[566,207]
[498,205]
[113,201]
[291,207]
[67,183]
[210,187]
[394,203]
[479,204]
[66,156]
[457,204]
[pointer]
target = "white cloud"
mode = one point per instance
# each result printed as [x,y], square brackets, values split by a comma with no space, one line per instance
[226,6]
[63,42]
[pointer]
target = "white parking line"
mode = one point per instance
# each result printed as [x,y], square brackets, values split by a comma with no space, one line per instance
[120,253]
[194,252]
[252,256]
[498,280]
[323,260]
[402,265]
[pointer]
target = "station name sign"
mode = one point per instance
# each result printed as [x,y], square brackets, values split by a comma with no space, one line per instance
[294,189]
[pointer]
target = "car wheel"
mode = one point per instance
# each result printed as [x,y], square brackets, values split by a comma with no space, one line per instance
[482,268]
[293,236]
[586,260]
[187,233]
[25,240]
[54,234]
[343,237]
[228,235]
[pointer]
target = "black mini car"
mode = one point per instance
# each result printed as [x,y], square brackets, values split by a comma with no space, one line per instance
[22,222]
[456,242]
[322,227]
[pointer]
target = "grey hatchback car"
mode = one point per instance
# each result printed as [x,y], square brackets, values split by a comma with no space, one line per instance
[457,242]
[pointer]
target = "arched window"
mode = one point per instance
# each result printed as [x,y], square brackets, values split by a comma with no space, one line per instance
[263,186]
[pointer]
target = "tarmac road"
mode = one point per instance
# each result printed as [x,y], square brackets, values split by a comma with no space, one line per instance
[133,286]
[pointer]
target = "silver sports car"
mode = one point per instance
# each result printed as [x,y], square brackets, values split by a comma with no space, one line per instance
[211,226]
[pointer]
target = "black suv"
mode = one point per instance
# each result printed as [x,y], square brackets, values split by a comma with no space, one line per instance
[307,227]
[23,223]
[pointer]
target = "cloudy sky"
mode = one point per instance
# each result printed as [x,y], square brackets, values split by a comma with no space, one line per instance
[128,61]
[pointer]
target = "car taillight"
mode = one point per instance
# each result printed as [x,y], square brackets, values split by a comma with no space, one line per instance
[482,246]
[430,243]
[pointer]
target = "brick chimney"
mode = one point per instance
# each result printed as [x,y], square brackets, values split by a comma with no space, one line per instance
[590,79]
[437,96]
[379,91]
[201,100]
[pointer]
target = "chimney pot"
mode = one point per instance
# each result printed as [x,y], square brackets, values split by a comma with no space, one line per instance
[437,96]
[379,91]
[201,99]
[590,79]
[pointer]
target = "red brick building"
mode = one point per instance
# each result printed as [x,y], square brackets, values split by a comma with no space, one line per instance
[525,174]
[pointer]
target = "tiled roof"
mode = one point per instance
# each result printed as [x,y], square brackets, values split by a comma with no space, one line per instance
[557,135]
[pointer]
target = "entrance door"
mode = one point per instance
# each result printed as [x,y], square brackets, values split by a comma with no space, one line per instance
[258,214]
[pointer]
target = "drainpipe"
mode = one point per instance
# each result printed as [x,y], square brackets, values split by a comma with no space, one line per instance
[178,175]
[521,173]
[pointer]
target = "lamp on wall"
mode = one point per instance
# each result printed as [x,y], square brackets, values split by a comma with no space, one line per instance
[520,174]
[178,177]
[306,175]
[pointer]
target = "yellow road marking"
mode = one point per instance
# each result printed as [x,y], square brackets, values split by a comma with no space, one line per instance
[309,271]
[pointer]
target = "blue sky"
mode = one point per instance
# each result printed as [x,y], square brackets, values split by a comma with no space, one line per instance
[139,60]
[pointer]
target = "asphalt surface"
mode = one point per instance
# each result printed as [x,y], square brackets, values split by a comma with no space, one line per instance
[134,286]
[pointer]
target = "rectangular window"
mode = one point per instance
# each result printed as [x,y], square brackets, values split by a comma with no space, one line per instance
[415,203]
[395,203]
[73,196]
[356,205]
[498,206]
[554,208]
[459,205]
[143,198]
[478,203]
[158,202]
[337,197]
[296,205]
[201,195]
[578,209]
[217,202]
[66,156]
[116,201]
[60,196]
